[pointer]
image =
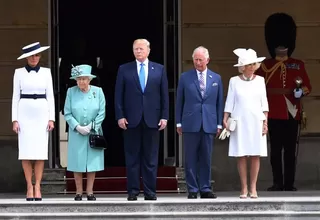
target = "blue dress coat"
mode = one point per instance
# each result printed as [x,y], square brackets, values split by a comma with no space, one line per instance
[81,109]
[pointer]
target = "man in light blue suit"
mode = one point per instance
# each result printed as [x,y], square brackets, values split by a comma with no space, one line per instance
[199,114]
[142,110]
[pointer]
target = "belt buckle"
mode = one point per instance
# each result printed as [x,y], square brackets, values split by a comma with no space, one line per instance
[34,96]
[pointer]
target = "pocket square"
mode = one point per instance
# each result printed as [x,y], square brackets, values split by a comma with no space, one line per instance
[214,84]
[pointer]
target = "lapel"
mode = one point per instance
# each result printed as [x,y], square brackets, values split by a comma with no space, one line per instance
[151,74]
[135,75]
[208,83]
[196,80]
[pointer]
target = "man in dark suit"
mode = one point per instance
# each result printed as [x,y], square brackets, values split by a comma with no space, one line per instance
[142,110]
[199,113]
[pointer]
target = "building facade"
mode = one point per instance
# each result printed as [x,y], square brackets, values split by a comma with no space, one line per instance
[175,28]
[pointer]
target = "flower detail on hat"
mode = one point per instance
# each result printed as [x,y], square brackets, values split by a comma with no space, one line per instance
[76,71]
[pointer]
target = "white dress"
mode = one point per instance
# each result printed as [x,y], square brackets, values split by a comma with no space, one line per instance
[246,101]
[33,115]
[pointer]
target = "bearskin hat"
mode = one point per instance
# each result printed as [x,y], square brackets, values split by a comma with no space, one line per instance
[280,30]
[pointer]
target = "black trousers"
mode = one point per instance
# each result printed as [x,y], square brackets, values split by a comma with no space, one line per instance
[283,138]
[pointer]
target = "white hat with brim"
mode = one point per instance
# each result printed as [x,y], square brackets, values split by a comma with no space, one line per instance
[246,57]
[32,49]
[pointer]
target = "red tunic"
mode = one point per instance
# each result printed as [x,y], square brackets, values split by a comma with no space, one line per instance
[280,79]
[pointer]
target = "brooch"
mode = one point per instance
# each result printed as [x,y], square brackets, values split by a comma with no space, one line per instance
[94,94]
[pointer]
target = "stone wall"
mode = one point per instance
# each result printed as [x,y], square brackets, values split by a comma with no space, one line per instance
[21,22]
[222,26]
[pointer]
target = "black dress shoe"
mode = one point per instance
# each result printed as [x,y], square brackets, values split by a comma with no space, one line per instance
[150,197]
[29,199]
[37,199]
[275,187]
[132,197]
[192,195]
[290,188]
[208,195]
[78,197]
[91,197]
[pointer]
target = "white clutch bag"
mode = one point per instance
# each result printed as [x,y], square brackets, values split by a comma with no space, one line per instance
[232,124]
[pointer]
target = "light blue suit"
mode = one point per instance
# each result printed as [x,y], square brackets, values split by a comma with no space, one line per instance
[81,109]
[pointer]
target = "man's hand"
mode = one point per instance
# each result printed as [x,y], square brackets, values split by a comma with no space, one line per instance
[162,124]
[122,123]
[218,132]
[179,130]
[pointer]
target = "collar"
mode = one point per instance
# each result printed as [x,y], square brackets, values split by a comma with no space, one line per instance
[146,62]
[204,71]
[29,68]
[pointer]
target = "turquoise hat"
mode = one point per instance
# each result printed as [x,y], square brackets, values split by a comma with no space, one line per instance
[81,70]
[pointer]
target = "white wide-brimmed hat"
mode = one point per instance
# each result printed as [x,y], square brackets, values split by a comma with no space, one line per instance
[32,49]
[247,56]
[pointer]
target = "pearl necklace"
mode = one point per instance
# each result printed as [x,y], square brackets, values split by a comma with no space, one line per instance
[247,78]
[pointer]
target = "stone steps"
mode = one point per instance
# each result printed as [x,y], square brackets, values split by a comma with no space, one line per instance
[288,206]
[279,215]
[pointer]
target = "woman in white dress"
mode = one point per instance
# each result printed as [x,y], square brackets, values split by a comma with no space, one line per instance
[247,104]
[33,115]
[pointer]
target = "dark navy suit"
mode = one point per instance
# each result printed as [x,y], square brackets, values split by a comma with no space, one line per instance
[143,111]
[199,118]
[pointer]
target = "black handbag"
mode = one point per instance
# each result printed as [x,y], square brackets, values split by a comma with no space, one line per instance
[97,141]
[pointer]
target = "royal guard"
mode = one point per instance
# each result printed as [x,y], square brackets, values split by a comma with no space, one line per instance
[287,83]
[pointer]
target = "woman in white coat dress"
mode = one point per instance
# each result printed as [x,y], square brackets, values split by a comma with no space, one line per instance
[247,104]
[33,115]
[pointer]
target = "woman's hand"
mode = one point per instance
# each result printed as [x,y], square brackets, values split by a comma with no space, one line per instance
[225,124]
[264,128]
[50,125]
[15,127]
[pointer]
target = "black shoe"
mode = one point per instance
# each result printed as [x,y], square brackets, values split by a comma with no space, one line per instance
[150,197]
[208,195]
[192,195]
[290,188]
[275,187]
[29,199]
[132,197]
[37,199]
[91,197]
[78,197]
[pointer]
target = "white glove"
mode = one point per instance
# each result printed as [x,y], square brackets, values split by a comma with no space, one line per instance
[225,133]
[298,94]
[83,130]
[89,127]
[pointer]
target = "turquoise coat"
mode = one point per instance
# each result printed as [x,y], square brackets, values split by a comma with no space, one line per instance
[81,109]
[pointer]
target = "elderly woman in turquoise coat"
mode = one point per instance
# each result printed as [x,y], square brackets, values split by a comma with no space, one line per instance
[84,107]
